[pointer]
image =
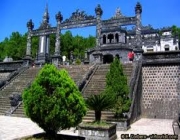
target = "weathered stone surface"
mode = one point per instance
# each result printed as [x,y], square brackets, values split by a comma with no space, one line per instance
[98,133]
[160,91]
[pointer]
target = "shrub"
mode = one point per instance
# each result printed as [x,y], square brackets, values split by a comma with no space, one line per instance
[99,103]
[78,61]
[116,85]
[53,101]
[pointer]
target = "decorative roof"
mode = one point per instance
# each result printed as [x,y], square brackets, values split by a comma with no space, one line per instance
[118,13]
[79,15]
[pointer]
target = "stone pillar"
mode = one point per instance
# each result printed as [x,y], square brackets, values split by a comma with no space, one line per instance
[107,39]
[30,26]
[56,58]
[138,48]
[99,12]
[59,19]
[114,39]
[119,36]
[27,60]
[102,39]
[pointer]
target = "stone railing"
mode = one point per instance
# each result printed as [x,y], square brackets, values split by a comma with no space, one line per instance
[159,58]
[12,76]
[90,77]
[135,92]
[82,82]
[10,66]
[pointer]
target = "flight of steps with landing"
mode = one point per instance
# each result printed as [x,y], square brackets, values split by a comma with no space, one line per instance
[97,84]
[17,85]
[98,81]
[77,73]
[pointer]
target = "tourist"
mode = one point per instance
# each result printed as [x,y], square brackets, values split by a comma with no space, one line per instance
[131,56]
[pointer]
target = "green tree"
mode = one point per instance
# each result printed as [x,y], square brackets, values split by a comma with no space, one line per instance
[15,45]
[176,31]
[100,102]
[116,85]
[53,100]
[66,43]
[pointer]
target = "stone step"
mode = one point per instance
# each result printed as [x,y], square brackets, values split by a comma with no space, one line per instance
[90,116]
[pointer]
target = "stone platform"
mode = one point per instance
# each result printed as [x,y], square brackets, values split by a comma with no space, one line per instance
[14,127]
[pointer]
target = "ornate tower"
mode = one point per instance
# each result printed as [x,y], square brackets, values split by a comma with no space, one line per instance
[44,42]
[138,48]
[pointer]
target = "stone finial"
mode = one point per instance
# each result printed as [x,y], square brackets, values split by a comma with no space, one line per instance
[59,17]
[46,15]
[118,13]
[30,24]
[138,8]
[98,10]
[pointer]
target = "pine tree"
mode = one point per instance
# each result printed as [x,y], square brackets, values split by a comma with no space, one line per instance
[53,101]
[116,85]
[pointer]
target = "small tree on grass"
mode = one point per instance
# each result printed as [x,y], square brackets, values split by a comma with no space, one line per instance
[53,101]
[100,102]
[116,85]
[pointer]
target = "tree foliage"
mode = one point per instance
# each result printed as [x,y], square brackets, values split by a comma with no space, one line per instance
[116,85]
[53,100]
[176,31]
[99,103]
[15,45]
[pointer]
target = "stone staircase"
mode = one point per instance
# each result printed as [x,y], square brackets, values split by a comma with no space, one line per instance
[77,72]
[97,84]
[105,115]
[16,85]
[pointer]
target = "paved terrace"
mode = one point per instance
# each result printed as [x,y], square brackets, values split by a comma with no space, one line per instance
[13,127]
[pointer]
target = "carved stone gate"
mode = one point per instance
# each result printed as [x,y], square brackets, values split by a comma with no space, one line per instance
[76,20]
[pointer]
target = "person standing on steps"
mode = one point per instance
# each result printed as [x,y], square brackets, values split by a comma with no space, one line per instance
[131,56]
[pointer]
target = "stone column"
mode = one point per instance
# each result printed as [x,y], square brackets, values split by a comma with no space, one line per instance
[138,48]
[59,19]
[30,26]
[56,58]
[99,12]
[119,36]
[27,60]
[107,39]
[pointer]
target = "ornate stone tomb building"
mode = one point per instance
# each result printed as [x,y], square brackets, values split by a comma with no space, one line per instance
[107,44]
[155,40]
[111,39]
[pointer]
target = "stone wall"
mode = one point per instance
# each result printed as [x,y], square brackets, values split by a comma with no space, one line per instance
[120,50]
[10,66]
[161,86]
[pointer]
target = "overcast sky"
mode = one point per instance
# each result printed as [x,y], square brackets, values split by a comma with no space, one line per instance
[14,14]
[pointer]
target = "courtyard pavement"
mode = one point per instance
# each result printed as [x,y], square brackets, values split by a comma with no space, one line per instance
[14,127]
